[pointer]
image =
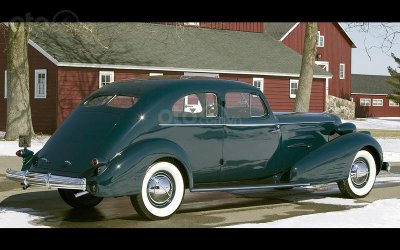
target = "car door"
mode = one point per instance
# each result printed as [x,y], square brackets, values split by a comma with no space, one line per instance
[252,138]
[199,132]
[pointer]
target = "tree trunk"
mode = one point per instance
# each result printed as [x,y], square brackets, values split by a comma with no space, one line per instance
[303,95]
[19,119]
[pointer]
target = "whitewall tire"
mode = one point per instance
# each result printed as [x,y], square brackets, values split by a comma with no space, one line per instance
[162,192]
[361,177]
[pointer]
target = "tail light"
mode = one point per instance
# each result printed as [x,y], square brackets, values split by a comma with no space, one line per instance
[95,162]
[98,162]
[19,153]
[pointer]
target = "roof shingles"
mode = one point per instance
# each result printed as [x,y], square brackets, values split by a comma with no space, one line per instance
[144,44]
[278,30]
[370,84]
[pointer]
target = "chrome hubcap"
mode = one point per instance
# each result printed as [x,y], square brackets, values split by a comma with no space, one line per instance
[359,172]
[160,189]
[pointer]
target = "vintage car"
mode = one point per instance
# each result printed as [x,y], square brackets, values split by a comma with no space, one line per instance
[151,139]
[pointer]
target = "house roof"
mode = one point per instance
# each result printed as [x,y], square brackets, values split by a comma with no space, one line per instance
[370,84]
[279,30]
[166,46]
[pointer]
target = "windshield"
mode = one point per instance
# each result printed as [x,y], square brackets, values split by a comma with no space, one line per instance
[116,101]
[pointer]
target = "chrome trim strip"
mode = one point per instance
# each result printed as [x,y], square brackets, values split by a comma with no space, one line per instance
[251,125]
[234,188]
[236,125]
[46,180]
[297,123]
[214,124]
[188,125]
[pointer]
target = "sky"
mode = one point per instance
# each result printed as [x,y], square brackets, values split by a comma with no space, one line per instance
[379,61]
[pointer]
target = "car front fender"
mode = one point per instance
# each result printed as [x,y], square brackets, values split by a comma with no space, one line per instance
[332,161]
[125,172]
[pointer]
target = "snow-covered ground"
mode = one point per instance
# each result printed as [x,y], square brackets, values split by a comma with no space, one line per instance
[385,123]
[381,213]
[391,149]
[8,148]
[18,218]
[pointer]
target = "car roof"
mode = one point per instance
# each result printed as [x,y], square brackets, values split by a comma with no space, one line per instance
[168,85]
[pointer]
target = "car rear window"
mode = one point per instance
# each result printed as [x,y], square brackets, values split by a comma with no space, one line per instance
[116,101]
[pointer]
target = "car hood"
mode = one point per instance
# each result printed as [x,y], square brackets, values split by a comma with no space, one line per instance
[80,138]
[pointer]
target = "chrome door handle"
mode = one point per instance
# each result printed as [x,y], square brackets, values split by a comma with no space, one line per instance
[276,130]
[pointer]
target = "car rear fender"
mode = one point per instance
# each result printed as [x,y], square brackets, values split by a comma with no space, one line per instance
[332,161]
[125,172]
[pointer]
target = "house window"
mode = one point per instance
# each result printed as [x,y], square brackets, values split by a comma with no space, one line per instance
[365,102]
[156,74]
[40,83]
[377,102]
[393,103]
[192,24]
[320,40]
[294,84]
[259,83]
[341,70]
[105,78]
[5,84]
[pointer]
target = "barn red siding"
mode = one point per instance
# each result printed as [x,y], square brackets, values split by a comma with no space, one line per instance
[236,26]
[77,83]
[336,50]
[276,90]
[375,111]
[43,110]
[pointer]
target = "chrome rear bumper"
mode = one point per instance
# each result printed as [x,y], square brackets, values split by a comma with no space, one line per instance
[27,179]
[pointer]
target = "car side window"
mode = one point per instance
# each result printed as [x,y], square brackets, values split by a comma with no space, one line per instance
[196,105]
[244,105]
[257,107]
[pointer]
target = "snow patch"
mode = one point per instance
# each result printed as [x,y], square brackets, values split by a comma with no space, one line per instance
[386,123]
[391,149]
[381,213]
[8,148]
[324,200]
[18,218]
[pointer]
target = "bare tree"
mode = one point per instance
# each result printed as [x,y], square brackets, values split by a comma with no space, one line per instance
[19,118]
[386,33]
[303,95]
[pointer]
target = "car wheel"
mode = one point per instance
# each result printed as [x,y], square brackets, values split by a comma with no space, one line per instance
[162,192]
[85,201]
[361,177]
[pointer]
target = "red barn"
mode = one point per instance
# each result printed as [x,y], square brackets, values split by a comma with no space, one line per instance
[369,92]
[66,65]
[333,51]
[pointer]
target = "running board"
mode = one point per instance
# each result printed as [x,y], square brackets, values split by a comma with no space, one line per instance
[234,188]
